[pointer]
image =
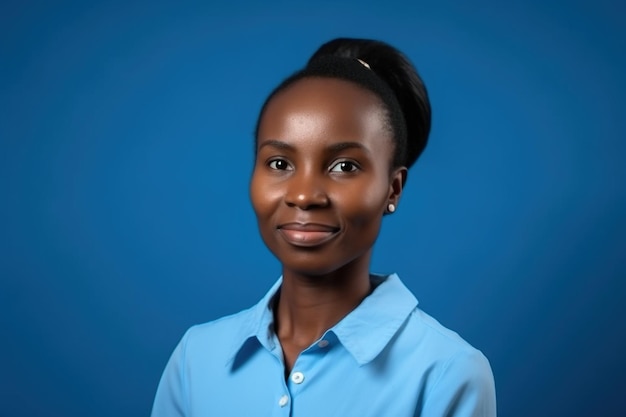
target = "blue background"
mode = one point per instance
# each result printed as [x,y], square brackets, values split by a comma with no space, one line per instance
[126,149]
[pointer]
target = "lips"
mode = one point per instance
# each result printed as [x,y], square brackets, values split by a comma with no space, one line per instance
[307,234]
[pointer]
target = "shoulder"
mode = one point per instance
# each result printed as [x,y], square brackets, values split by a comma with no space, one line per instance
[199,359]
[443,339]
[458,373]
[218,336]
[445,346]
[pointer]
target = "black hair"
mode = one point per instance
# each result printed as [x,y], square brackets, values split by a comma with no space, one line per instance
[387,72]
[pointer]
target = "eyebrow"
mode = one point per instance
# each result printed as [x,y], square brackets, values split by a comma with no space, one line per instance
[277,144]
[341,146]
[334,148]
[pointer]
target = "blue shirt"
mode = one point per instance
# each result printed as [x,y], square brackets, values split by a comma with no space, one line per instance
[387,358]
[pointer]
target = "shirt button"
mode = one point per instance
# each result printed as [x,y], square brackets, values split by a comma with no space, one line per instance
[283,401]
[297,377]
[323,343]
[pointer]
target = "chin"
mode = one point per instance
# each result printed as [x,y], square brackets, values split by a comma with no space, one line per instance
[320,263]
[309,264]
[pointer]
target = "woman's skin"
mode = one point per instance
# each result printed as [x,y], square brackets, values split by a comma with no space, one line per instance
[321,184]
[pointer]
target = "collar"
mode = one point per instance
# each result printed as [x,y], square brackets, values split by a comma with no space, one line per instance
[364,332]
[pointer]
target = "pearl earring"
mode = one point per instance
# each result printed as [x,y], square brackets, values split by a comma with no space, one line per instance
[391,208]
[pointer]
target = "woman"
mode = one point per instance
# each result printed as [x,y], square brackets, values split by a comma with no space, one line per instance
[333,145]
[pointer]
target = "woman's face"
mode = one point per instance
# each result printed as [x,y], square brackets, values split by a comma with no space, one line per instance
[322,177]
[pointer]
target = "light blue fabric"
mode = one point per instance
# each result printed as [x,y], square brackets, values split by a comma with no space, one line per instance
[387,358]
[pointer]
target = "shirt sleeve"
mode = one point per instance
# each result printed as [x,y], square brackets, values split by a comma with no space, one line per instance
[170,399]
[465,388]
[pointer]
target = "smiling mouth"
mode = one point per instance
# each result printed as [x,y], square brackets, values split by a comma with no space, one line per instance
[308,234]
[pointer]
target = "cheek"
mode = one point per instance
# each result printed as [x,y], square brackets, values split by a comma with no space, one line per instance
[263,197]
[364,206]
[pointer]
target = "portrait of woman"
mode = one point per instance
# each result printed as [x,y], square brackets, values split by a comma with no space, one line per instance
[334,143]
[248,209]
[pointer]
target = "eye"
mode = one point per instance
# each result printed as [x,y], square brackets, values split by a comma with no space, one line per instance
[344,166]
[280,165]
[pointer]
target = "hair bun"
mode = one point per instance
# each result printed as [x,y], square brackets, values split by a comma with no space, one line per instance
[393,67]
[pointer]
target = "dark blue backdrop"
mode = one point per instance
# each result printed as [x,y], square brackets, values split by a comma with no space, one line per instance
[126,134]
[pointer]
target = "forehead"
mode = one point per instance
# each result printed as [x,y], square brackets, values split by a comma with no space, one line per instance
[315,111]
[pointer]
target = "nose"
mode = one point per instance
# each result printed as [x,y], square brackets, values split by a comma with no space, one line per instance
[306,191]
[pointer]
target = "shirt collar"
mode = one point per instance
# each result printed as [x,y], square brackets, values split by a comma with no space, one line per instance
[368,328]
[364,332]
[256,325]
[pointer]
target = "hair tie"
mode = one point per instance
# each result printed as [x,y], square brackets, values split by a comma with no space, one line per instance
[365,64]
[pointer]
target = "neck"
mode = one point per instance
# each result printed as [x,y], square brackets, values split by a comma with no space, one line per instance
[310,305]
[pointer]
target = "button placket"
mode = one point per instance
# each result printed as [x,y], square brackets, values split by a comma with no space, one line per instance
[302,371]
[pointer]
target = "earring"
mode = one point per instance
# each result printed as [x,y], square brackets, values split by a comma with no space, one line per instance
[391,208]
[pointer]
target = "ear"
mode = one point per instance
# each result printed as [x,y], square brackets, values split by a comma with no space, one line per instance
[398,178]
